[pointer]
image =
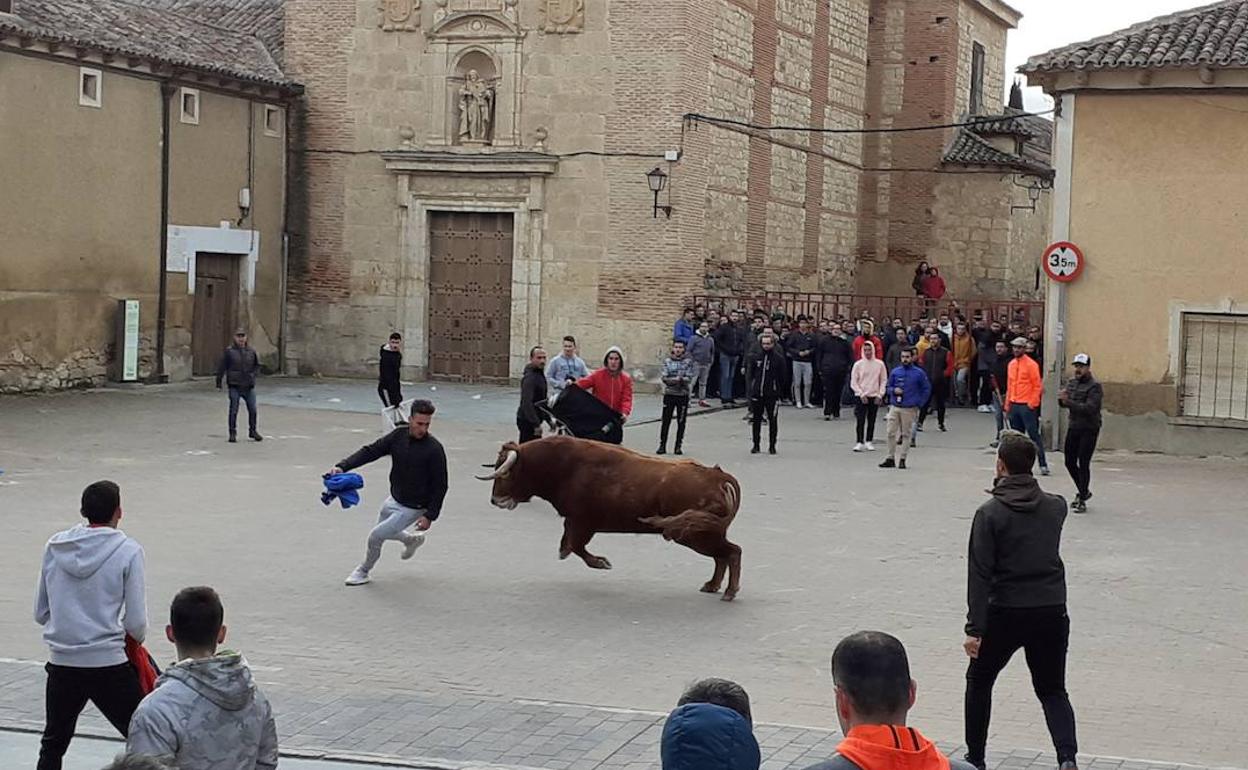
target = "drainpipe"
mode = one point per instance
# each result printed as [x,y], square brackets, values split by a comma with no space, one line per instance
[167,90]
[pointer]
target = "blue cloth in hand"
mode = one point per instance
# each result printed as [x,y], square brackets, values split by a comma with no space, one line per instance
[342,486]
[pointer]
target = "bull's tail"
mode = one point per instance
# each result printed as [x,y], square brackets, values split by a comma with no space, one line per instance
[732,495]
[687,524]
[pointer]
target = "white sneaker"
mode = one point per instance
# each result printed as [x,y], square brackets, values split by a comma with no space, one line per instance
[858,447]
[414,541]
[870,446]
[983,408]
[358,577]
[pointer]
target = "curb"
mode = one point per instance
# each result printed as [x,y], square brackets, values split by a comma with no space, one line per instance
[313,755]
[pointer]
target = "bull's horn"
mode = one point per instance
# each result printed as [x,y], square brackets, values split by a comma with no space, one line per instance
[512,456]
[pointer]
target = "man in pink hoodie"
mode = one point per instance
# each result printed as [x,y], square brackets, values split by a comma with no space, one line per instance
[868,380]
[874,693]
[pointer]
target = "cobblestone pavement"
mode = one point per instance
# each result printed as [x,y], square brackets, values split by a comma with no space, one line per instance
[485,648]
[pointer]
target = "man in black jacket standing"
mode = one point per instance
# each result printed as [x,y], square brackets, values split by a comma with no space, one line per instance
[239,366]
[763,371]
[532,391]
[834,356]
[417,486]
[389,362]
[729,343]
[1083,396]
[1016,597]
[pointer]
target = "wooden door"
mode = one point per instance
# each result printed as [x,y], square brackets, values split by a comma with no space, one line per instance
[215,315]
[470,295]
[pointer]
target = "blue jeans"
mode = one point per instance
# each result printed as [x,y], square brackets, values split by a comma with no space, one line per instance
[727,370]
[248,395]
[997,413]
[1025,420]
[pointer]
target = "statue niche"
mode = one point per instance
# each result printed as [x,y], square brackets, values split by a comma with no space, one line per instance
[475,100]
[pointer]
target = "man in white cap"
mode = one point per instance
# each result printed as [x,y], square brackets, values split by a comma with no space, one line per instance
[1082,396]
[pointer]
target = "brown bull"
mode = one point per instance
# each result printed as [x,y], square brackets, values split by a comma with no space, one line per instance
[599,487]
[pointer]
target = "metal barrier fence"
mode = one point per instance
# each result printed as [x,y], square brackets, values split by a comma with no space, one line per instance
[819,306]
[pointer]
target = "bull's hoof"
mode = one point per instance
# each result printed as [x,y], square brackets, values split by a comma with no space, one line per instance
[598,562]
[709,588]
[563,554]
[728,596]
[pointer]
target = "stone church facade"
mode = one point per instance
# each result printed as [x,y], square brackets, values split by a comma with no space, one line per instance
[474,171]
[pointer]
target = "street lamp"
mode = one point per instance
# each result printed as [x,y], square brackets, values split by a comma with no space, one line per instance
[658,182]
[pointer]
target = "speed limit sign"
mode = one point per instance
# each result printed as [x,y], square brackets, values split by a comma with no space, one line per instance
[1063,261]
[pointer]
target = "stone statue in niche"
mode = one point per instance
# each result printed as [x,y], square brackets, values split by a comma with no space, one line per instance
[563,15]
[476,110]
[399,15]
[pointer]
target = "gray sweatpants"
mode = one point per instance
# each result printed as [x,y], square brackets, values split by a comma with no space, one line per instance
[392,522]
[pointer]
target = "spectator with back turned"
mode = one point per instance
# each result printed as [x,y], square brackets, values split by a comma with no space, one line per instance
[1016,598]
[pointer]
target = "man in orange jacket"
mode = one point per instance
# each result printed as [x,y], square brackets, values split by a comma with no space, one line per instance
[1022,397]
[874,693]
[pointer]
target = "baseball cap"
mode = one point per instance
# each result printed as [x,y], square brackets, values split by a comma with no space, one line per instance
[1082,358]
[1019,342]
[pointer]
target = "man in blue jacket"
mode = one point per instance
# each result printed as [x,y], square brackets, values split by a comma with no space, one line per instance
[711,729]
[908,390]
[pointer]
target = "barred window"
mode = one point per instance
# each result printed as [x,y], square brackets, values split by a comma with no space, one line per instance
[1215,366]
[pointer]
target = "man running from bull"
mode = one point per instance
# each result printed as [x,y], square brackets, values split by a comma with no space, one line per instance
[417,486]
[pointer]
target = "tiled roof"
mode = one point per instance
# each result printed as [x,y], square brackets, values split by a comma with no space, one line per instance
[128,29]
[263,18]
[1214,35]
[970,149]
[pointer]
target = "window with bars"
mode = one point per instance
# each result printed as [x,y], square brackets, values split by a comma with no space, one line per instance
[1215,366]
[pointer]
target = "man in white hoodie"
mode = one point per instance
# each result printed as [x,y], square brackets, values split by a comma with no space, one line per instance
[90,597]
[206,711]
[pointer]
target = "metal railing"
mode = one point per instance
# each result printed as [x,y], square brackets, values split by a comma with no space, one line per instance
[908,308]
[1215,366]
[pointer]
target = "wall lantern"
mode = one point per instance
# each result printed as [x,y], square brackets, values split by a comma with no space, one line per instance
[658,182]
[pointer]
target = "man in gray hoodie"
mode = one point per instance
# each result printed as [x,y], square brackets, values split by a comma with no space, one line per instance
[90,597]
[206,711]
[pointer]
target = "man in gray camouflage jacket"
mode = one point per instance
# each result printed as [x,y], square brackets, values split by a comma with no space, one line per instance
[206,711]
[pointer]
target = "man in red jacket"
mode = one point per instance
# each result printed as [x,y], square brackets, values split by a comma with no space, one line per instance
[611,384]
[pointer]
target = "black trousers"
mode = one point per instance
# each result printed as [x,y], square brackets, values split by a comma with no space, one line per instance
[712,379]
[834,388]
[389,393]
[940,395]
[114,690]
[677,406]
[985,388]
[1079,448]
[528,430]
[759,407]
[1043,633]
[865,415]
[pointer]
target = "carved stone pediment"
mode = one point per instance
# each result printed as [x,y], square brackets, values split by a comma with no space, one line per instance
[476,20]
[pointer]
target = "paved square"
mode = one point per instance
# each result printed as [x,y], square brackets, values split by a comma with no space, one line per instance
[487,648]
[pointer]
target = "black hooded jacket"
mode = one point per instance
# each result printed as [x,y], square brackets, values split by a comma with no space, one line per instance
[1014,555]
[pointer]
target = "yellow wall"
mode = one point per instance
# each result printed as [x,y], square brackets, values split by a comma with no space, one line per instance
[81,224]
[1159,195]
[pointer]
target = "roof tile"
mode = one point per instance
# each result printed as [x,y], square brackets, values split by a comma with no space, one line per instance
[130,29]
[1214,35]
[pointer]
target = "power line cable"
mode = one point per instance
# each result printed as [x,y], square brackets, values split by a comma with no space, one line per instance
[694,117]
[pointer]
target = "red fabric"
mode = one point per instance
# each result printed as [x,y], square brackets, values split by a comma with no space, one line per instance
[933,287]
[615,392]
[879,346]
[141,660]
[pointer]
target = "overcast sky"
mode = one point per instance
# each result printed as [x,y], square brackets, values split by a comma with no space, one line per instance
[1049,24]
